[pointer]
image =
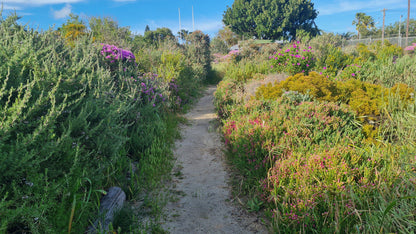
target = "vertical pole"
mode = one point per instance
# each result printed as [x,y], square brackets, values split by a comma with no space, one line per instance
[407,27]
[400,27]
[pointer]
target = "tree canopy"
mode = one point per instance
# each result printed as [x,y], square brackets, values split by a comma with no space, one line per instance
[271,19]
[363,23]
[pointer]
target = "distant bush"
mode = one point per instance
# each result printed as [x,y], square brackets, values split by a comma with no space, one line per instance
[218,46]
[199,54]
[293,59]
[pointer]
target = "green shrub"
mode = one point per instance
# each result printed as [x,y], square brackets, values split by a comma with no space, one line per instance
[261,132]
[363,97]
[293,59]
[225,97]
[218,46]
[317,86]
[310,190]
[333,60]
[199,54]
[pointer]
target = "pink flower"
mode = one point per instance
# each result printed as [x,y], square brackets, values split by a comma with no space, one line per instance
[353,74]
[307,65]
[298,64]
[324,68]
[409,48]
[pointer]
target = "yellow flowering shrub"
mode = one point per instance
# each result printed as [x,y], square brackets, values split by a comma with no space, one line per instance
[364,98]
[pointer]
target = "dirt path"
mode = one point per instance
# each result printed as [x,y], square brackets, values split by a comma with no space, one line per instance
[201,180]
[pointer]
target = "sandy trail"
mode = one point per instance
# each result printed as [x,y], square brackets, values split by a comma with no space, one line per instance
[204,205]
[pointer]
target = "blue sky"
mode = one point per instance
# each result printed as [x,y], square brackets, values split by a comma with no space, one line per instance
[334,16]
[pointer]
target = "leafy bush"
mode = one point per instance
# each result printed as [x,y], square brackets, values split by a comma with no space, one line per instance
[363,97]
[293,59]
[309,165]
[333,60]
[225,97]
[310,189]
[260,133]
[199,54]
[219,46]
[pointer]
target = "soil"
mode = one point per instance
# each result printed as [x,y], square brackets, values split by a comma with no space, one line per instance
[201,180]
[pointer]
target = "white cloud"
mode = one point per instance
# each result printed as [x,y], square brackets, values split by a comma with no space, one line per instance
[347,6]
[64,12]
[10,7]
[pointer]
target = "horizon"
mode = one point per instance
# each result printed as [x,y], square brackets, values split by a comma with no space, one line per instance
[333,16]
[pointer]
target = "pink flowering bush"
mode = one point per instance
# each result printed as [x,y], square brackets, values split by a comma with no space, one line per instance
[309,166]
[410,49]
[113,53]
[258,137]
[293,59]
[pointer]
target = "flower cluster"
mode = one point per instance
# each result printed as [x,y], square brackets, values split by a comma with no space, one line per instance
[176,100]
[293,59]
[149,91]
[113,53]
[230,56]
[411,47]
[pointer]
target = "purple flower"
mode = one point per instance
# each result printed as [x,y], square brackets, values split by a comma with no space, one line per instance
[353,74]
[324,68]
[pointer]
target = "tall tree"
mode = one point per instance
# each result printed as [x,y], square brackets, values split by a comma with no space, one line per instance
[228,36]
[158,36]
[363,23]
[271,19]
[393,29]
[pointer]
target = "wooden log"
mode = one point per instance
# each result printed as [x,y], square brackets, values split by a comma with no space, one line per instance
[110,204]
